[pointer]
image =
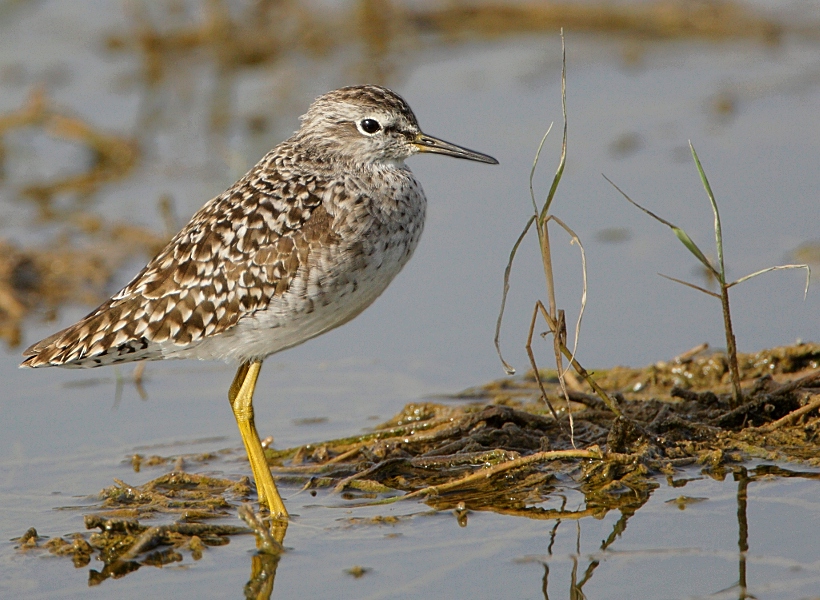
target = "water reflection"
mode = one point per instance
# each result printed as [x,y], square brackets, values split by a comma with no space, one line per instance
[745,478]
[264,562]
[568,570]
[270,538]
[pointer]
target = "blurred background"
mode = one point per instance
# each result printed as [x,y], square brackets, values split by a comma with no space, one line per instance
[119,119]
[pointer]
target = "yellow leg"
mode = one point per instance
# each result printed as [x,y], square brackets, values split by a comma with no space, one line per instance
[241,398]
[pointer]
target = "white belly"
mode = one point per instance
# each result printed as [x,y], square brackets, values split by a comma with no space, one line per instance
[304,311]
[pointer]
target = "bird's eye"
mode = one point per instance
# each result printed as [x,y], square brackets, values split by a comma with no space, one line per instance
[369,126]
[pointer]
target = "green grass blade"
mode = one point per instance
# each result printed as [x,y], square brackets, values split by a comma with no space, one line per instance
[680,233]
[718,229]
[560,171]
[693,248]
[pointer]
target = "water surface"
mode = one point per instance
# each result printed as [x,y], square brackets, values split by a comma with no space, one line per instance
[748,107]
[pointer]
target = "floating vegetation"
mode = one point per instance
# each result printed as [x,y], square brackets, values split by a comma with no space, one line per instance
[112,157]
[507,454]
[377,39]
[124,544]
[76,265]
[495,447]
[74,268]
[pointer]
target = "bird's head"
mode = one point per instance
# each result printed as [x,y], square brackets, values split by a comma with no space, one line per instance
[370,124]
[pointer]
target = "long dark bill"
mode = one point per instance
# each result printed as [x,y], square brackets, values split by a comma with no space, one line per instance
[427,143]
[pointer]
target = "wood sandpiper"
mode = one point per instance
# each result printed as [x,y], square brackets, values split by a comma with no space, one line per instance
[303,243]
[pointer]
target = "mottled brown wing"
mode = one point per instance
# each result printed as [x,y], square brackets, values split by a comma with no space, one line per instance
[236,253]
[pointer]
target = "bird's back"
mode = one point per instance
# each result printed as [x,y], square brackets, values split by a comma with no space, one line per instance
[293,249]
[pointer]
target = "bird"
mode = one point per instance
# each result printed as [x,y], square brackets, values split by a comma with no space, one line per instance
[300,245]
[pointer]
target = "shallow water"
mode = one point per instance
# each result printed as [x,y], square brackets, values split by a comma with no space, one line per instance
[632,107]
[683,543]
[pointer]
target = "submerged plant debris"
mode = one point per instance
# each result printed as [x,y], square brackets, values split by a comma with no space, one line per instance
[495,447]
[502,451]
[78,262]
[123,543]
